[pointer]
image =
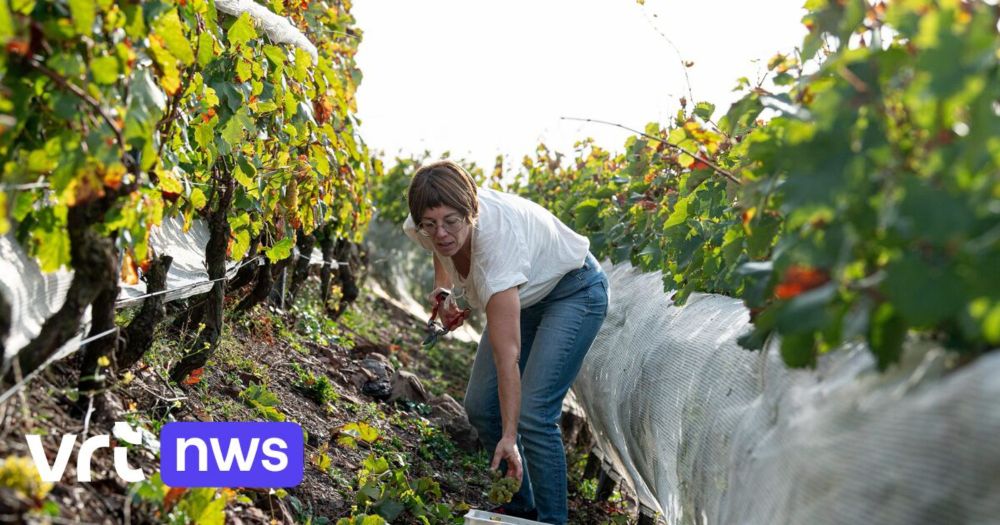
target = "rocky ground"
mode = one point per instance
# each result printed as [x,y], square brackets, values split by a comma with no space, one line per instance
[385,431]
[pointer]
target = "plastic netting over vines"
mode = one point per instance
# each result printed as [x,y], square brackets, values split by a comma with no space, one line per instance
[34,296]
[706,432]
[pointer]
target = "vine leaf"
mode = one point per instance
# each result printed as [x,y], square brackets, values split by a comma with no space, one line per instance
[679,215]
[105,70]
[585,212]
[83,12]
[242,31]
[170,28]
[281,250]
[704,110]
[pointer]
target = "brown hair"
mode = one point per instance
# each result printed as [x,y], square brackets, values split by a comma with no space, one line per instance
[443,183]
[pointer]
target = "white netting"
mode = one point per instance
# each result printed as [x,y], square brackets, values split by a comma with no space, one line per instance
[278,28]
[34,296]
[188,275]
[706,432]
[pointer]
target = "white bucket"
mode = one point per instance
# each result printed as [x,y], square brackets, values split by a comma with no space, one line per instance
[481,517]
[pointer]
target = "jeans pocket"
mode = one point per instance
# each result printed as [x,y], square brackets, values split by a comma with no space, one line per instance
[605,288]
[583,272]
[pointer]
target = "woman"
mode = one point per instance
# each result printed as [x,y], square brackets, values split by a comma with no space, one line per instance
[545,298]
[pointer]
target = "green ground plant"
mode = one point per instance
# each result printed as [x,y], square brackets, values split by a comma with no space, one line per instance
[263,401]
[178,506]
[316,387]
[386,490]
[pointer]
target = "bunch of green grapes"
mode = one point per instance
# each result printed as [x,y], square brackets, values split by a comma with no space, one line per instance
[503,488]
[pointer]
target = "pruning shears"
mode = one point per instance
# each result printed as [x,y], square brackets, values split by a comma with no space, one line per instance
[434,331]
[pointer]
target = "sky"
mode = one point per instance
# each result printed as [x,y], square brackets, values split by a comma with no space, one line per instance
[480,79]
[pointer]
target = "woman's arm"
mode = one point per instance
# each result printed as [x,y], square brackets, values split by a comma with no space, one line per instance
[503,317]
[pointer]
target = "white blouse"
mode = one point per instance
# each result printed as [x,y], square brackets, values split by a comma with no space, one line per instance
[515,242]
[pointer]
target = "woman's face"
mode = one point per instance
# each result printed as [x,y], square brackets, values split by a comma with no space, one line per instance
[448,229]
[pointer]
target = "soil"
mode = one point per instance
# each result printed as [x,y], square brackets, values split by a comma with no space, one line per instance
[289,354]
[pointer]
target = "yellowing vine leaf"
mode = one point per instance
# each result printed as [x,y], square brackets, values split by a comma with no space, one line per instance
[242,31]
[361,430]
[84,12]
[170,28]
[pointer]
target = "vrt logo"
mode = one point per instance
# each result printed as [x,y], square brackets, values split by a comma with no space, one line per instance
[52,473]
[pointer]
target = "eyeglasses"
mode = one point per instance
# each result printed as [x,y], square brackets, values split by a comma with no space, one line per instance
[451,224]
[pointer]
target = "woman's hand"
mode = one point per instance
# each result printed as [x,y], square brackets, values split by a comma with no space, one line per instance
[449,312]
[507,450]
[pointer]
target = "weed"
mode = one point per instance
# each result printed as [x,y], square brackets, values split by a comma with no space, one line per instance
[588,489]
[360,324]
[366,411]
[232,353]
[264,401]
[434,444]
[362,519]
[339,478]
[304,513]
[222,408]
[352,433]
[180,506]
[388,492]
[124,316]
[312,323]
[317,388]
[20,475]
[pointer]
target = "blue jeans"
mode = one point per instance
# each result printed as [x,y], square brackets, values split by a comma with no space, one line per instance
[556,334]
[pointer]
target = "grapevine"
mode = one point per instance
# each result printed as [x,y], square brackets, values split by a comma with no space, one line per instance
[865,209]
[115,117]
